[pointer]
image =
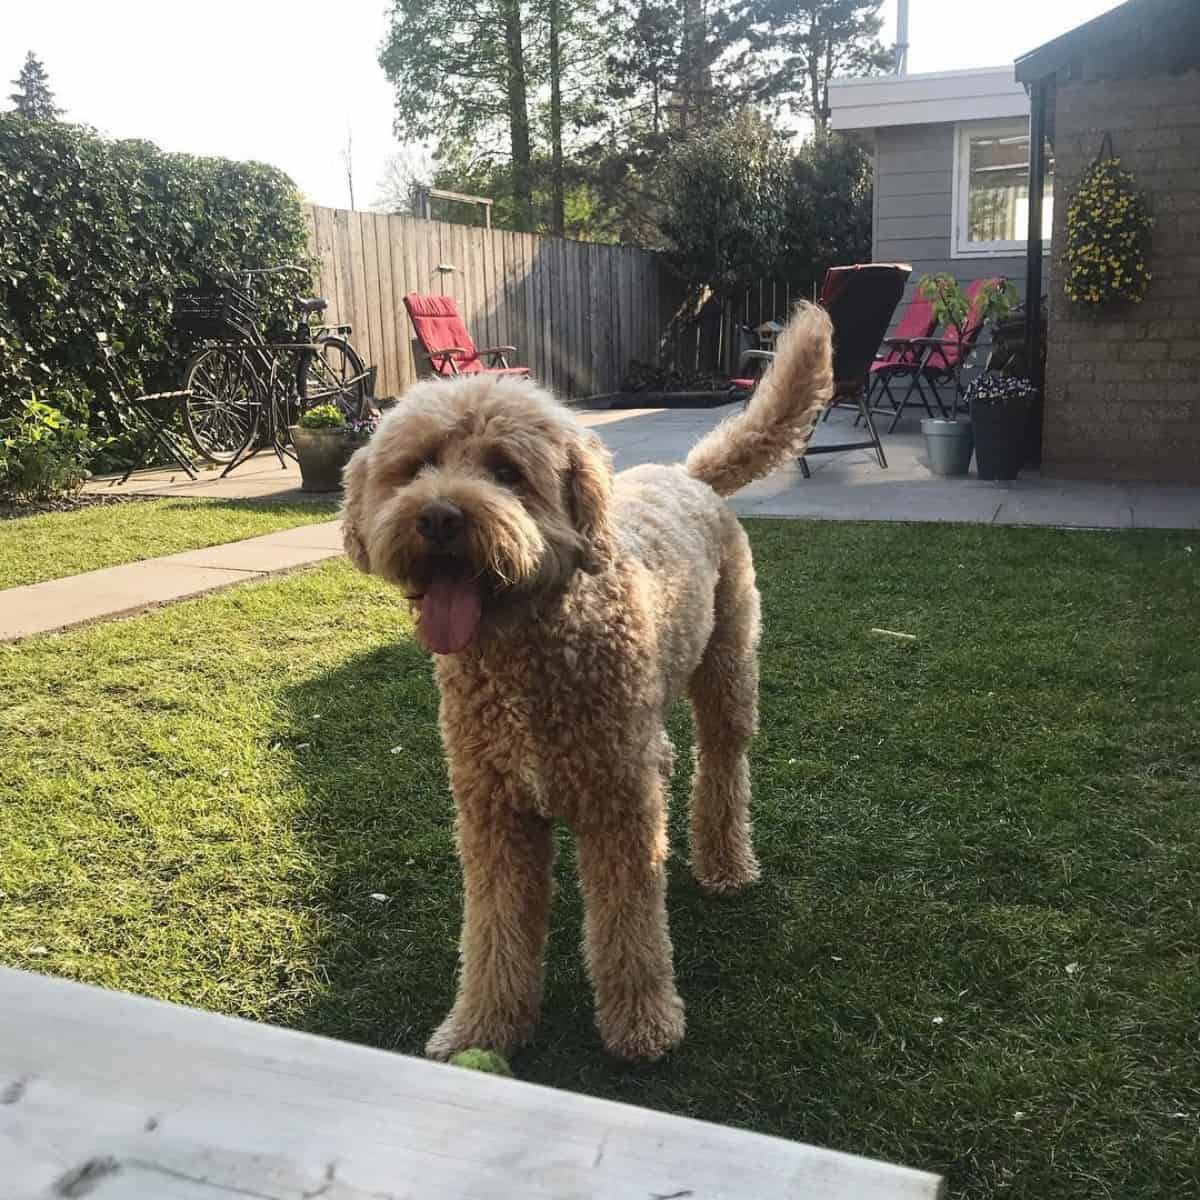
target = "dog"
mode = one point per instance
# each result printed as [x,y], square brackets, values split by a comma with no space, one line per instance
[567,611]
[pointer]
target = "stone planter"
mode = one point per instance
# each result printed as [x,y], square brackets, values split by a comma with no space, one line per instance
[322,454]
[948,445]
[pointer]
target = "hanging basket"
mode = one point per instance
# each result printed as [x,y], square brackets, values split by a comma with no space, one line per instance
[1108,226]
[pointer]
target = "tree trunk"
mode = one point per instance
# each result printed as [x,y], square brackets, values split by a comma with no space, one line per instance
[557,201]
[518,113]
[814,78]
[691,68]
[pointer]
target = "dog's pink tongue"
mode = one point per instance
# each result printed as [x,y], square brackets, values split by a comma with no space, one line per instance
[450,612]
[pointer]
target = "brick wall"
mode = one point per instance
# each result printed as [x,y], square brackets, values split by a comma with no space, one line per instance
[1123,382]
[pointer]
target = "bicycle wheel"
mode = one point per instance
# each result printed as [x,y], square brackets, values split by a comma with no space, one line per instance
[222,413]
[333,374]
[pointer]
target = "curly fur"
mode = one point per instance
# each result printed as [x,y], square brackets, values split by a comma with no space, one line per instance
[592,605]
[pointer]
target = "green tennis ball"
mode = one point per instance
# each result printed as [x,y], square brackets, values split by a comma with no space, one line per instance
[482,1060]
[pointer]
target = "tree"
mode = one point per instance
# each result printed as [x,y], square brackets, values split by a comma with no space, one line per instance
[461,70]
[404,173]
[813,41]
[33,98]
[724,202]
[827,215]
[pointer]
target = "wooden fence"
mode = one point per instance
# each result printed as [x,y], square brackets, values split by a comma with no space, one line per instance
[577,312]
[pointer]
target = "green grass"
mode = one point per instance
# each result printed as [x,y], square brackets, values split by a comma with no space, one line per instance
[975,948]
[52,545]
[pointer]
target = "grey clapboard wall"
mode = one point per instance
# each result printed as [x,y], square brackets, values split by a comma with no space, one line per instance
[913,208]
[577,312]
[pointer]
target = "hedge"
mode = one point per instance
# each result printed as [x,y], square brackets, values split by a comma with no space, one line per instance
[95,235]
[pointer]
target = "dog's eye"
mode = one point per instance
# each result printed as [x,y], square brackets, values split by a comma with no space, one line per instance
[506,474]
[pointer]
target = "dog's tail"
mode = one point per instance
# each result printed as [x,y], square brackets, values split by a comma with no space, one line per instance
[778,422]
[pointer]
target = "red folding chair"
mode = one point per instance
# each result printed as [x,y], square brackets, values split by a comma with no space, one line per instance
[942,358]
[443,337]
[901,356]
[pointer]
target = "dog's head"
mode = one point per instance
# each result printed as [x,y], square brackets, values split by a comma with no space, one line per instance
[474,495]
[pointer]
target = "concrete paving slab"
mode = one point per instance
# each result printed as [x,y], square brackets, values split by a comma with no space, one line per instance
[325,536]
[1074,504]
[899,501]
[1165,506]
[99,595]
[855,488]
[253,557]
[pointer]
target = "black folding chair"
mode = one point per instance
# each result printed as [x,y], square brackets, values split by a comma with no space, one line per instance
[137,414]
[860,301]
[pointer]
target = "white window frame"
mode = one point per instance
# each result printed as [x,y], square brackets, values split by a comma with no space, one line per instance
[959,246]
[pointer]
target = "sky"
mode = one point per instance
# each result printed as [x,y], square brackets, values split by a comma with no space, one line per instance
[286,81]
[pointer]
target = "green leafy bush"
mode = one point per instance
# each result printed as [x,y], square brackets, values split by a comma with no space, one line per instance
[42,452]
[322,416]
[724,199]
[739,206]
[96,235]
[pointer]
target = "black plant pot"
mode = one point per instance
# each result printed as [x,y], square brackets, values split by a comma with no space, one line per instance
[999,437]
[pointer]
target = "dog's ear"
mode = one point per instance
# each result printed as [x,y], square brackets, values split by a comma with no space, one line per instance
[589,491]
[354,479]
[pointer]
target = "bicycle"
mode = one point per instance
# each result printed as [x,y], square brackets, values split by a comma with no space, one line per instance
[240,378]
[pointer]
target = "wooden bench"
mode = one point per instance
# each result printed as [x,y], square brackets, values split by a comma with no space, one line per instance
[115,1097]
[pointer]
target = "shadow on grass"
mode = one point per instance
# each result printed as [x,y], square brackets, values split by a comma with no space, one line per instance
[379,823]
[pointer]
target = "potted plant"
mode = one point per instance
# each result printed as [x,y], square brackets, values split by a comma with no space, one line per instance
[999,410]
[949,442]
[320,441]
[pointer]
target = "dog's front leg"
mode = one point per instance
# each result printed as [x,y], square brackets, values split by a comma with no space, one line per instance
[507,861]
[622,848]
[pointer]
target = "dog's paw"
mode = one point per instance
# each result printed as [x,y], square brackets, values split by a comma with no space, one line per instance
[646,1029]
[728,875]
[458,1033]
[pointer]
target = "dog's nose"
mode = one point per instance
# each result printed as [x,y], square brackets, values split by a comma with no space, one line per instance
[440,522]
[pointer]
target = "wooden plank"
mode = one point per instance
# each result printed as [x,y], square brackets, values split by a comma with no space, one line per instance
[512,318]
[324,249]
[126,1098]
[527,344]
[400,252]
[389,318]
[583,362]
[568,334]
[345,287]
[454,253]
[364,343]
[493,282]
[372,292]
[552,282]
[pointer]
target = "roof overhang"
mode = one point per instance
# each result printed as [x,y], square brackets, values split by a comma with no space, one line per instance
[880,100]
[1129,26]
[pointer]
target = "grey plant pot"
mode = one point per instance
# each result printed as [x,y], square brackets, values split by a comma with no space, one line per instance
[322,454]
[948,445]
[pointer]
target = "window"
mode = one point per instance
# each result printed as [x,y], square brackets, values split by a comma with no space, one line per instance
[991,190]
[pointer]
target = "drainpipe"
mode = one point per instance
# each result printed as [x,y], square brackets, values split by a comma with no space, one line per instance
[900,65]
[1038,99]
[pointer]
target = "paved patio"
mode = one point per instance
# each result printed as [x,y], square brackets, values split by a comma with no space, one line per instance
[849,486]
[845,487]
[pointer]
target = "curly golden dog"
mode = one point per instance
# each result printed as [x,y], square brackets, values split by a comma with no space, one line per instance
[568,610]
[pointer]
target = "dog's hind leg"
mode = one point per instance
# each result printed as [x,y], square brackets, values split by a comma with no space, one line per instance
[724,695]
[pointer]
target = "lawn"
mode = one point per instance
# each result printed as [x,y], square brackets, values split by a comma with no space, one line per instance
[51,545]
[975,948]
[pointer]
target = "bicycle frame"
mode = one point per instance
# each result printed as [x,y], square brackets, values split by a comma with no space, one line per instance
[267,380]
